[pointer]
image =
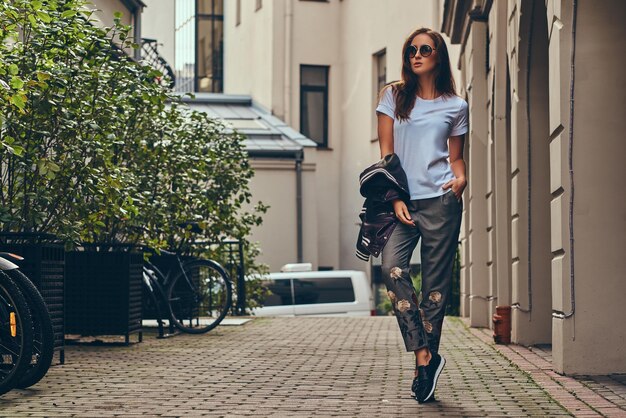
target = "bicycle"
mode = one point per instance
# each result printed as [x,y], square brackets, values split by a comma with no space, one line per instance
[16,330]
[43,332]
[197,294]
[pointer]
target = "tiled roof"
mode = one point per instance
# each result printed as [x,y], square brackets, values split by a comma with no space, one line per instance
[267,136]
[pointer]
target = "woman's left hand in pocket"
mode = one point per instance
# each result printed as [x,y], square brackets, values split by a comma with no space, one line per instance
[457,185]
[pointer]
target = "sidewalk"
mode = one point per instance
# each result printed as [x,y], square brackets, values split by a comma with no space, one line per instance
[286,367]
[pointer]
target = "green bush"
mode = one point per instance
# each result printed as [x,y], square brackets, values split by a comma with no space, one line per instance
[92,149]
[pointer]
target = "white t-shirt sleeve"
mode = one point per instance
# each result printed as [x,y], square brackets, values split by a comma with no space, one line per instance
[387,104]
[460,123]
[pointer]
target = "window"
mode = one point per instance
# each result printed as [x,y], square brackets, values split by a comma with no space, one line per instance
[259,4]
[210,45]
[199,39]
[380,79]
[280,293]
[381,70]
[314,103]
[185,41]
[323,290]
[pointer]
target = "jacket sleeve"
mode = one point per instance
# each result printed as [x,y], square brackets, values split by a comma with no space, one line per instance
[362,242]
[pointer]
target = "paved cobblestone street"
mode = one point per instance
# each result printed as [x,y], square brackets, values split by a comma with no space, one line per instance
[283,367]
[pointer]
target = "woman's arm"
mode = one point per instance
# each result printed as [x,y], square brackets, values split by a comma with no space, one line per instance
[457,164]
[385,134]
[385,139]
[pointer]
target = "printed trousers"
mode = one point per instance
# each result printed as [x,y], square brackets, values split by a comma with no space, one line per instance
[437,223]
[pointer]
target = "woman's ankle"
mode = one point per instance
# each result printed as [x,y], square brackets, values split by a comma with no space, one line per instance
[422,357]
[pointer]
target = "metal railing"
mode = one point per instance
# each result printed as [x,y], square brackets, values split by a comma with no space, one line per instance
[151,56]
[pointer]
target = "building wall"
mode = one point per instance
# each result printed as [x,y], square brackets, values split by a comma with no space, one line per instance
[106,10]
[274,184]
[589,341]
[249,56]
[344,35]
[545,218]
[157,22]
[314,41]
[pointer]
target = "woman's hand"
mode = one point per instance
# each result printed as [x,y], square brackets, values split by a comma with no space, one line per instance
[402,212]
[457,185]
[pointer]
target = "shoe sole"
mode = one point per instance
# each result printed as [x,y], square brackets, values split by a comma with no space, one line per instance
[435,378]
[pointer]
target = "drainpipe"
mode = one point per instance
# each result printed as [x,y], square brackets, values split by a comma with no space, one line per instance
[287,69]
[299,159]
[137,31]
[570,150]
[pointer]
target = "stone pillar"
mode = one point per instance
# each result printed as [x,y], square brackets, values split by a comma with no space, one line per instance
[478,238]
[501,163]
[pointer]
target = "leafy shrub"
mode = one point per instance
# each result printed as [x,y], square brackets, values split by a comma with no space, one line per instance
[92,149]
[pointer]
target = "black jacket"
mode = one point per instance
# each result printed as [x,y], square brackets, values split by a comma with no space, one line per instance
[381,183]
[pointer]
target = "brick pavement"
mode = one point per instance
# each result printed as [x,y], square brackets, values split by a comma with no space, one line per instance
[584,396]
[282,367]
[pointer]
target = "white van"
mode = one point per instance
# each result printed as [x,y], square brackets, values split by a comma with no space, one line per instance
[296,291]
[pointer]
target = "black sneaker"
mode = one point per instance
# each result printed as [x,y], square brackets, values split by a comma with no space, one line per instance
[422,384]
[434,368]
[414,390]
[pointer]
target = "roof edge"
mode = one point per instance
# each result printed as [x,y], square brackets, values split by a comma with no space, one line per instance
[133,5]
[217,98]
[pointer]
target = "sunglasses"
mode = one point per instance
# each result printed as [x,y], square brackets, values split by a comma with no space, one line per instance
[424,50]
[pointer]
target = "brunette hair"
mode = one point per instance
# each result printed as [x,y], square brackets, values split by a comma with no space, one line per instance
[405,90]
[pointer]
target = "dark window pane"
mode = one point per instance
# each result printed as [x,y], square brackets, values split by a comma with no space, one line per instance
[209,65]
[313,115]
[381,69]
[323,290]
[313,76]
[280,293]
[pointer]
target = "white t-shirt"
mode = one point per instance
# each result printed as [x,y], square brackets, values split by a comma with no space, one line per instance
[422,141]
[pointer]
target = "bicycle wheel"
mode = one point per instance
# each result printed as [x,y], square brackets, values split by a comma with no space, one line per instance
[199,297]
[16,333]
[43,344]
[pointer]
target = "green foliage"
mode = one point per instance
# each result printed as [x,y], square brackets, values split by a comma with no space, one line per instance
[92,149]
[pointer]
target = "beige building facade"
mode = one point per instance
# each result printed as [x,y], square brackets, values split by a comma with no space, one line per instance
[545,215]
[268,50]
[131,14]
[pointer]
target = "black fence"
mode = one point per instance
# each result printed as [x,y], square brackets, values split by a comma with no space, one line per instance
[230,253]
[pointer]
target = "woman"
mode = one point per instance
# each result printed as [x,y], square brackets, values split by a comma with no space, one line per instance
[423,121]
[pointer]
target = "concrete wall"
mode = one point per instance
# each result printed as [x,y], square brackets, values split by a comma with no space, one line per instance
[590,341]
[541,229]
[274,184]
[249,56]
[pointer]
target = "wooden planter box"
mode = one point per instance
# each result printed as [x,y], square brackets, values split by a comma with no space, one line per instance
[104,293]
